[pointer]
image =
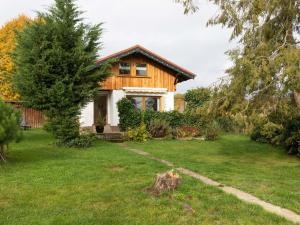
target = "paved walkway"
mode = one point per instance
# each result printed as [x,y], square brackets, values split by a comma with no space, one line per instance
[286,213]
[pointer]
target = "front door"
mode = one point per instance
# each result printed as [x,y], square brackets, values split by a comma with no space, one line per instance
[100,109]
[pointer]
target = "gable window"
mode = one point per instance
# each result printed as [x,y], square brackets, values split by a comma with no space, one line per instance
[141,69]
[145,102]
[124,68]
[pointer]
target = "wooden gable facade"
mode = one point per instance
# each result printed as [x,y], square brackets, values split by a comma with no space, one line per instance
[161,73]
[156,76]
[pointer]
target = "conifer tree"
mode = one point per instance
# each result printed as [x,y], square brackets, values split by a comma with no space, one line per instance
[9,127]
[55,58]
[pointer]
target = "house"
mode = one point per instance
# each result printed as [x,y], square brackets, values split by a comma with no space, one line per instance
[139,74]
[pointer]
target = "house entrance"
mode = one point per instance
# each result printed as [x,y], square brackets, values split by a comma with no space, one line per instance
[100,109]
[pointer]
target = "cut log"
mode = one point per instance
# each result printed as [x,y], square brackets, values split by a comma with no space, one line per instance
[168,181]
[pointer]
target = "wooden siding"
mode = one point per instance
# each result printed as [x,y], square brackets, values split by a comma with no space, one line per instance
[157,76]
[32,117]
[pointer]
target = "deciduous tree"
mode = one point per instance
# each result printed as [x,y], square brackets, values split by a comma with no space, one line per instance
[268,61]
[7,45]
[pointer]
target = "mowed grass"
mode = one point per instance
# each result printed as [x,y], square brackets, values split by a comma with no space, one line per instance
[261,169]
[44,184]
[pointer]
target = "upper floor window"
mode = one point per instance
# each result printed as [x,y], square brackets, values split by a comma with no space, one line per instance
[141,69]
[124,68]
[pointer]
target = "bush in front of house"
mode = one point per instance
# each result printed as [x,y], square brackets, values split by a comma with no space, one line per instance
[129,117]
[159,128]
[9,127]
[139,134]
[185,131]
[189,124]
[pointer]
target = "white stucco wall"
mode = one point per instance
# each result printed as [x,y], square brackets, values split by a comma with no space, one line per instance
[87,112]
[168,101]
[115,96]
[87,115]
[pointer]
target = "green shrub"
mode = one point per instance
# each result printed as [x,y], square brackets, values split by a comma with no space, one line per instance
[174,118]
[267,133]
[195,98]
[9,127]
[129,117]
[83,141]
[212,131]
[291,135]
[186,131]
[271,132]
[159,128]
[139,134]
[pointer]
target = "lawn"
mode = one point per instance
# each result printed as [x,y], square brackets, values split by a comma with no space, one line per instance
[259,169]
[44,184]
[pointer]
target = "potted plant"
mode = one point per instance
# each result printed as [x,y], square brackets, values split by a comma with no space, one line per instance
[100,123]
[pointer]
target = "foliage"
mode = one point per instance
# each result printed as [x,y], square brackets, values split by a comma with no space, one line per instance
[212,131]
[268,132]
[83,141]
[55,73]
[139,134]
[266,66]
[186,131]
[101,120]
[291,135]
[159,128]
[128,116]
[7,45]
[188,124]
[131,117]
[195,98]
[9,127]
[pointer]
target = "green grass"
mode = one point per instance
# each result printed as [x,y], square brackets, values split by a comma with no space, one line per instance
[260,169]
[43,184]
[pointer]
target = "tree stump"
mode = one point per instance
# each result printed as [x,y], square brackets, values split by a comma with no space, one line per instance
[168,181]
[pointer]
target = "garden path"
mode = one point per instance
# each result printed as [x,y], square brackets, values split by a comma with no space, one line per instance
[286,213]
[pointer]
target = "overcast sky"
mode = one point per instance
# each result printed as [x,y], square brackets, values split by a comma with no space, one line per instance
[158,25]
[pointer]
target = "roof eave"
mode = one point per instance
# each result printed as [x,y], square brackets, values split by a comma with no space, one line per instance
[185,75]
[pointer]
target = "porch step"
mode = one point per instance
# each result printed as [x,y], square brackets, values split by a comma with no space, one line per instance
[113,136]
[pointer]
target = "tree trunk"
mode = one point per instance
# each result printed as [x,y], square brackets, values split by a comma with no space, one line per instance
[168,181]
[297,98]
[2,155]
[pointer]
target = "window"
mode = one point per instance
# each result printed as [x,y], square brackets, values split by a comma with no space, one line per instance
[124,68]
[141,69]
[152,103]
[145,103]
[137,102]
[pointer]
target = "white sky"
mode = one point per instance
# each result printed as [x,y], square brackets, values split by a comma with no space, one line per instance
[158,25]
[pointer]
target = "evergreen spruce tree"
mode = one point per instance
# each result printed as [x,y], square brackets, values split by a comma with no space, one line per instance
[9,127]
[55,57]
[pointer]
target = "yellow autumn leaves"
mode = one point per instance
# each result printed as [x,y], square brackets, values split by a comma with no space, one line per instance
[7,45]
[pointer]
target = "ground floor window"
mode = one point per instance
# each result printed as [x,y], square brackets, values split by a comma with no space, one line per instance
[145,102]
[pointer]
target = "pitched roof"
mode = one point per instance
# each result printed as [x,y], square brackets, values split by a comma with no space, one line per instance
[183,74]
